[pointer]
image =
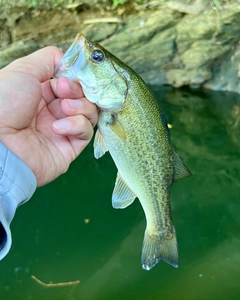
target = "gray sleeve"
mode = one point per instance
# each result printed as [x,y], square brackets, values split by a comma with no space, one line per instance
[17,185]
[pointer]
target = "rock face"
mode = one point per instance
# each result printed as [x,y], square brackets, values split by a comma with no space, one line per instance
[177,43]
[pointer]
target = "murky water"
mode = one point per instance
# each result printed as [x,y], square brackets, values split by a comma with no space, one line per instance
[69,230]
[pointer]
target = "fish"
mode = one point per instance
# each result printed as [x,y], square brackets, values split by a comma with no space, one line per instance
[132,127]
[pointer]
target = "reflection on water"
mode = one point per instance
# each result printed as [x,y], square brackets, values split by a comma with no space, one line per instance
[69,231]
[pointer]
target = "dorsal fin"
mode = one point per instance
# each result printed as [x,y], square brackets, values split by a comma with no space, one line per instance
[180,170]
[165,123]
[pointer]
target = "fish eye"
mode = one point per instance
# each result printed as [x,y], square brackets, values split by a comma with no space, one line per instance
[98,56]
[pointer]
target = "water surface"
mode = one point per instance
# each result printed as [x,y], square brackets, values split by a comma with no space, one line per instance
[69,231]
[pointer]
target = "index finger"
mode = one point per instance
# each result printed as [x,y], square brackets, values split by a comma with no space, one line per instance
[60,88]
[39,64]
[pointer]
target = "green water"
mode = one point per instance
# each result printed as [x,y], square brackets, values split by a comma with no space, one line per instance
[53,241]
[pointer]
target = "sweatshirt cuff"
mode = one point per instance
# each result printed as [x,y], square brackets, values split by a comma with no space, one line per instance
[17,185]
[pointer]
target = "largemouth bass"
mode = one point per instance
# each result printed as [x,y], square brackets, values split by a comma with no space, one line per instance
[134,130]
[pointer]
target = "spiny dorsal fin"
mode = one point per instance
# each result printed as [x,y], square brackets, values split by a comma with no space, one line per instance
[165,123]
[100,147]
[122,195]
[180,170]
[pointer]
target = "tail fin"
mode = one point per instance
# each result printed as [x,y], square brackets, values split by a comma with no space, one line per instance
[156,247]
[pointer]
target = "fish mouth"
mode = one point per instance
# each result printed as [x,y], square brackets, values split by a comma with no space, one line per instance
[73,60]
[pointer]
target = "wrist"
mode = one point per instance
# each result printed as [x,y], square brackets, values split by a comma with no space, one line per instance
[17,185]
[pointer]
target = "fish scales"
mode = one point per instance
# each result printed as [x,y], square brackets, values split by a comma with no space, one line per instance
[134,131]
[136,159]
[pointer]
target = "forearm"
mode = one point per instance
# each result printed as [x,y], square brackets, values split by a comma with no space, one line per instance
[17,185]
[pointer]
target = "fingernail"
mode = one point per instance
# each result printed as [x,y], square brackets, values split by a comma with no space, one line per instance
[61,124]
[73,85]
[75,103]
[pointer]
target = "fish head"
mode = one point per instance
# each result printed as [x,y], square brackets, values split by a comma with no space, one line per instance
[102,80]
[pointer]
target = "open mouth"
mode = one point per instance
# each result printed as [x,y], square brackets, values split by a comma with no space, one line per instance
[73,60]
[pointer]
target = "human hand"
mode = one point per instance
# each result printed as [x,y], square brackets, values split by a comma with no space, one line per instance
[45,122]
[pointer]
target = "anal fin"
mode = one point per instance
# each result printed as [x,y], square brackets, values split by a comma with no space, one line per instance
[122,195]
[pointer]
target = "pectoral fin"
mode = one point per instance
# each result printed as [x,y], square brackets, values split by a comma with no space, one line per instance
[180,170]
[117,128]
[122,195]
[100,147]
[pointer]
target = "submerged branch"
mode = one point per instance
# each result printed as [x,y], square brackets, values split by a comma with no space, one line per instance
[235,125]
[50,284]
[230,177]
